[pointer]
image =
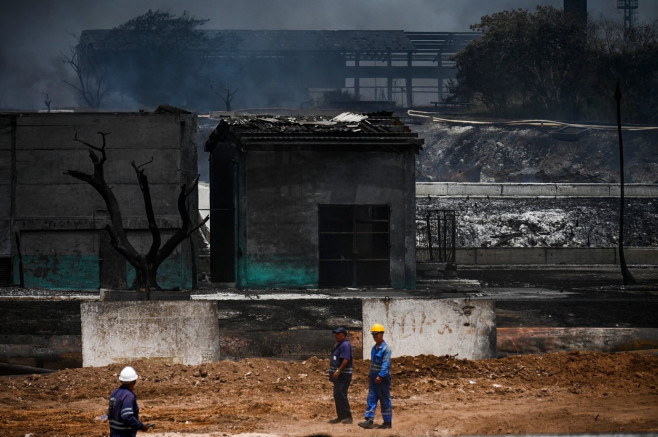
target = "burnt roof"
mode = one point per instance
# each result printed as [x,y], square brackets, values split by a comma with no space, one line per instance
[367,132]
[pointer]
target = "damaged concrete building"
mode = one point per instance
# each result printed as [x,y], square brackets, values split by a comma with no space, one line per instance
[52,225]
[313,202]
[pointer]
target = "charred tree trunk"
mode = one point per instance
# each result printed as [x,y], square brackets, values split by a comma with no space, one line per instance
[146,266]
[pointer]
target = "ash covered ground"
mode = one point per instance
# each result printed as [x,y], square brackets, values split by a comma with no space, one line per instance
[548,222]
[473,153]
[458,153]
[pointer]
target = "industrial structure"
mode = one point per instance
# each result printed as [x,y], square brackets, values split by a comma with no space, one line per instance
[288,68]
[313,202]
[629,7]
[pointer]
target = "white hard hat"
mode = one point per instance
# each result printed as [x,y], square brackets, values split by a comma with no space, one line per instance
[128,374]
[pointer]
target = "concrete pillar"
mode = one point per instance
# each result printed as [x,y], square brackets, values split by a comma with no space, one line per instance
[185,332]
[460,327]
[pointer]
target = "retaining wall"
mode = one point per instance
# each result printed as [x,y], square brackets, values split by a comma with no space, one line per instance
[171,331]
[462,327]
[555,255]
[462,189]
[48,333]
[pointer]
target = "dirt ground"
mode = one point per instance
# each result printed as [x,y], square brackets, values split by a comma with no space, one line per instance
[574,392]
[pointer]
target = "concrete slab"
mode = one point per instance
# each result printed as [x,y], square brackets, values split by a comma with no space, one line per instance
[462,327]
[172,331]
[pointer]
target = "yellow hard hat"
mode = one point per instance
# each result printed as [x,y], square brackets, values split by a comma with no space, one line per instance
[377,328]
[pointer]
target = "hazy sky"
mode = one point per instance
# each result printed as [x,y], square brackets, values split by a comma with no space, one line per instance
[34,32]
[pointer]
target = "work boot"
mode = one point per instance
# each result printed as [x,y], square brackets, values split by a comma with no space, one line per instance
[367,424]
[336,420]
[346,420]
[386,425]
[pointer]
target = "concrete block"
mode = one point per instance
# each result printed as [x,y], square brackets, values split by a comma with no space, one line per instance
[465,256]
[5,167]
[431,189]
[462,327]
[641,255]
[185,332]
[81,200]
[127,130]
[555,255]
[580,255]
[5,238]
[641,190]
[513,255]
[529,190]
[474,189]
[584,190]
[49,166]
[533,189]
[5,201]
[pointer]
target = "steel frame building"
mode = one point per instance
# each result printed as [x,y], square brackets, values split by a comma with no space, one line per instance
[273,68]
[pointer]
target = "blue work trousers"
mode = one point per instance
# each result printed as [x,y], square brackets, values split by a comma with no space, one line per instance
[379,392]
[340,397]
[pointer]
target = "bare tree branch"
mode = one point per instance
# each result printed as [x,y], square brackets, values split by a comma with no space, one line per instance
[118,237]
[146,266]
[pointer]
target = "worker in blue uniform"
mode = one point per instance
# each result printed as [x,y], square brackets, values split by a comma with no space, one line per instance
[380,381]
[340,373]
[123,412]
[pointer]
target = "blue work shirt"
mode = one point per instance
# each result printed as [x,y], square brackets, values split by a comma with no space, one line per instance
[342,351]
[123,413]
[380,360]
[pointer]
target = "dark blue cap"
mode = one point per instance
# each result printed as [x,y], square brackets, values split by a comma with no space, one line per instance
[340,330]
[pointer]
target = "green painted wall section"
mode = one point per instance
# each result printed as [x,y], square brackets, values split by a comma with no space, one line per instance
[410,284]
[172,274]
[60,272]
[81,272]
[279,271]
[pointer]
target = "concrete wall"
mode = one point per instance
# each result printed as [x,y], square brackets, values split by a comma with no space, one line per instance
[60,220]
[40,333]
[176,332]
[484,189]
[47,333]
[555,255]
[7,133]
[462,327]
[280,193]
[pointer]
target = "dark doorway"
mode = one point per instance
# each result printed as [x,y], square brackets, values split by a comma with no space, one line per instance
[354,245]
[5,272]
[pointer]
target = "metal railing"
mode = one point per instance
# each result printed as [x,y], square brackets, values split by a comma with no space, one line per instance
[436,235]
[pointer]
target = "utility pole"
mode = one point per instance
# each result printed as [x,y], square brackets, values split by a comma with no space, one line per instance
[625,273]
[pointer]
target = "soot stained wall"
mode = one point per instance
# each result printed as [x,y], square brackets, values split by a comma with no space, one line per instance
[52,225]
[281,191]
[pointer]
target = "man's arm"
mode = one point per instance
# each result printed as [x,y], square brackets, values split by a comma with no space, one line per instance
[386,362]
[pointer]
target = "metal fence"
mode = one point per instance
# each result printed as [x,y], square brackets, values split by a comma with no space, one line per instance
[435,235]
